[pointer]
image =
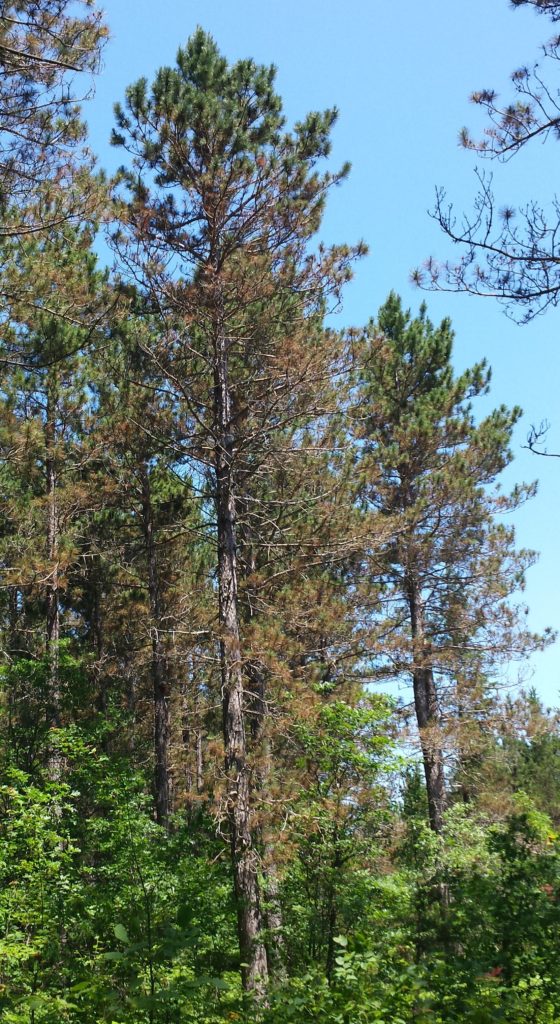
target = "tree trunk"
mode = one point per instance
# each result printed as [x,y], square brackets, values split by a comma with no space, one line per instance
[238,771]
[426,707]
[98,635]
[52,617]
[162,732]
[332,912]
[199,761]
[16,645]
[192,735]
[272,916]
[274,922]
[186,738]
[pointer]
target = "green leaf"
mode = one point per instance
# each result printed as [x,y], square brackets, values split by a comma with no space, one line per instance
[341,940]
[220,984]
[81,986]
[121,933]
[36,1002]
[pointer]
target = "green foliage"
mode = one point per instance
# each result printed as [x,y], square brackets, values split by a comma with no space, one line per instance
[486,954]
[100,912]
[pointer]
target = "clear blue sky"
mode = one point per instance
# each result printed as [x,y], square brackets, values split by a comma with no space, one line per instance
[400,74]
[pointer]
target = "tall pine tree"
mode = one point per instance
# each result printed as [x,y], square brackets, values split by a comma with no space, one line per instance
[450,567]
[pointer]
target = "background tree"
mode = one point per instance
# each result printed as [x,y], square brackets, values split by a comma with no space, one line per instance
[156,547]
[521,756]
[448,569]
[45,420]
[45,45]
[509,254]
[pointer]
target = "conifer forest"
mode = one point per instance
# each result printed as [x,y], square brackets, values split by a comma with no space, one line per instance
[260,586]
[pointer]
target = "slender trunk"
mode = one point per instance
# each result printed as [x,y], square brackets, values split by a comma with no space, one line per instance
[464,761]
[332,913]
[14,651]
[98,637]
[275,944]
[160,686]
[131,694]
[15,646]
[99,640]
[192,736]
[199,762]
[426,707]
[52,623]
[260,743]
[257,683]
[186,738]
[238,771]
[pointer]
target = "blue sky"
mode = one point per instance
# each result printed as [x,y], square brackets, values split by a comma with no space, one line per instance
[400,74]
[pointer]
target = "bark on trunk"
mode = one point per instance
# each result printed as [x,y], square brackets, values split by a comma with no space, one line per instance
[199,762]
[427,710]
[162,731]
[272,916]
[52,623]
[98,636]
[192,736]
[332,911]
[14,651]
[186,738]
[274,922]
[238,771]
[16,645]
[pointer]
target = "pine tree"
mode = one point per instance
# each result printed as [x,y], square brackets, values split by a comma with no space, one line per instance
[508,253]
[44,44]
[223,205]
[449,568]
[158,532]
[44,417]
